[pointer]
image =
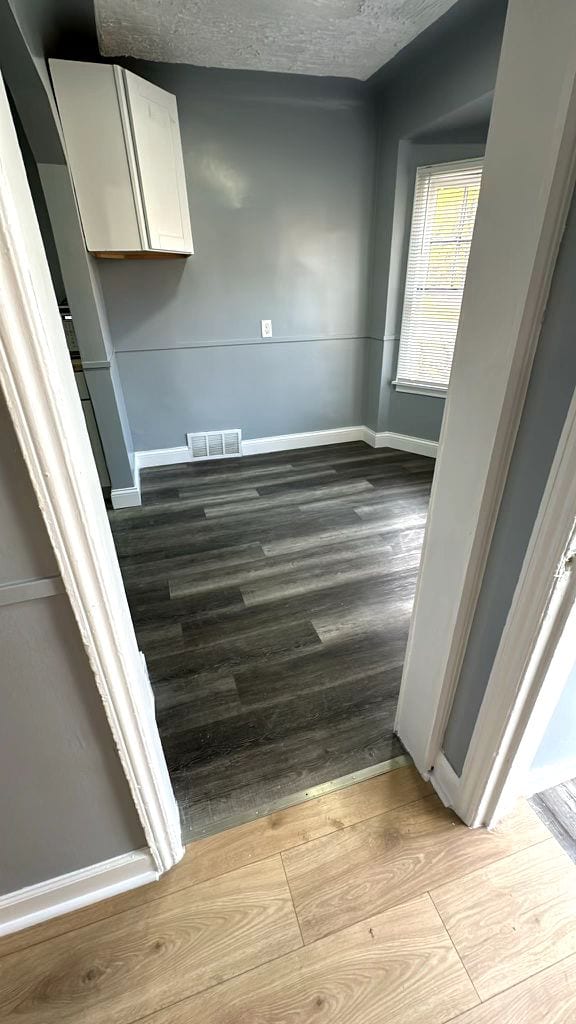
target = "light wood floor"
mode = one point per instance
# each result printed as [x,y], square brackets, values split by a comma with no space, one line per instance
[366,906]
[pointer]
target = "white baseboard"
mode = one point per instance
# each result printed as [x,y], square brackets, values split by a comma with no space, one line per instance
[162,457]
[307,439]
[551,775]
[128,497]
[125,497]
[286,442]
[445,781]
[40,902]
[401,442]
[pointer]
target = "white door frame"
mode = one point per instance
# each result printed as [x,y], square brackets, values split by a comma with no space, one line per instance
[37,379]
[528,182]
[533,659]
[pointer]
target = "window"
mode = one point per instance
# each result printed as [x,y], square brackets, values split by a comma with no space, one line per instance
[445,202]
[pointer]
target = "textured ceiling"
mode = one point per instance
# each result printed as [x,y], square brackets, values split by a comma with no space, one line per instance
[347,38]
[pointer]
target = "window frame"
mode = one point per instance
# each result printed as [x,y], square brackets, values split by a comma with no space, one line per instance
[405,385]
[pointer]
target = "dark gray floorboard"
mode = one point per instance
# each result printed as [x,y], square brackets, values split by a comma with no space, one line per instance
[557,808]
[271,596]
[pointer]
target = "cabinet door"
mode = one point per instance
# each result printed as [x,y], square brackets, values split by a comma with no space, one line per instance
[158,151]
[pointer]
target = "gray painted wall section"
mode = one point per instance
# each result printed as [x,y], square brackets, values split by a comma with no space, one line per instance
[443,101]
[64,800]
[549,395]
[279,173]
[265,389]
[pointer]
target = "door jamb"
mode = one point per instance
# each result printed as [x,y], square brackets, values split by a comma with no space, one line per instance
[529,670]
[37,380]
[485,402]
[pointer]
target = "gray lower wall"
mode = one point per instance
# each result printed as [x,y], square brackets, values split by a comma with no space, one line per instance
[549,395]
[279,171]
[274,388]
[64,800]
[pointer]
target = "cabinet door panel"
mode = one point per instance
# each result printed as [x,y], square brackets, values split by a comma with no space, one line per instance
[156,136]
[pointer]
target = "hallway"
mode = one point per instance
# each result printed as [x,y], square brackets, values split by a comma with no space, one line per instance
[271,596]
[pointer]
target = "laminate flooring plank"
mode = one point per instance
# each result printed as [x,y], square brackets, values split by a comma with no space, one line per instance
[159,567]
[247,780]
[330,665]
[395,967]
[386,860]
[193,704]
[511,919]
[336,492]
[273,616]
[238,847]
[557,809]
[193,579]
[295,825]
[271,725]
[548,997]
[153,955]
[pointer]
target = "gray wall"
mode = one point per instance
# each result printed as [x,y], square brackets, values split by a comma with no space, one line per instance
[279,171]
[549,395]
[64,799]
[436,92]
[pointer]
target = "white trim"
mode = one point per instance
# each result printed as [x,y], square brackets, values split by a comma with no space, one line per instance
[512,259]
[445,781]
[162,457]
[126,497]
[30,590]
[522,693]
[286,442]
[419,389]
[61,895]
[549,776]
[37,379]
[306,439]
[401,442]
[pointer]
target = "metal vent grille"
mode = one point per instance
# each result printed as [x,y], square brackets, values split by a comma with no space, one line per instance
[215,444]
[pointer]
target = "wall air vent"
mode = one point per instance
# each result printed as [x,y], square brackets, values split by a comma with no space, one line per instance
[215,444]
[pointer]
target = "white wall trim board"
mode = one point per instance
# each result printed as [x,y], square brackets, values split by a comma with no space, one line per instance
[162,457]
[37,379]
[61,895]
[551,775]
[30,590]
[287,339]
[307,439]
[493,354]
[535,653]
[445,781]
[125,497]
[401,442]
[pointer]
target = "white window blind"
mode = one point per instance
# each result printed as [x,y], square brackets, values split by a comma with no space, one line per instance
[445,202]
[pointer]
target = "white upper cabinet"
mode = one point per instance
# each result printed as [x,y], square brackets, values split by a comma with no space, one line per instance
[123,145]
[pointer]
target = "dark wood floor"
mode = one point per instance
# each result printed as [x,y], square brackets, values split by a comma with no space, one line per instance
[557,809]
[271,596]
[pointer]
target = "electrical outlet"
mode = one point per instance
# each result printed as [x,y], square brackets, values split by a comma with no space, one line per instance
[266,327]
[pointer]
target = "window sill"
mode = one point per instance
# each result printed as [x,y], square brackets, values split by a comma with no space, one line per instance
[420,389]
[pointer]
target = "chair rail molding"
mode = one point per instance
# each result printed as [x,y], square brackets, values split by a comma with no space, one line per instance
[37,379]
